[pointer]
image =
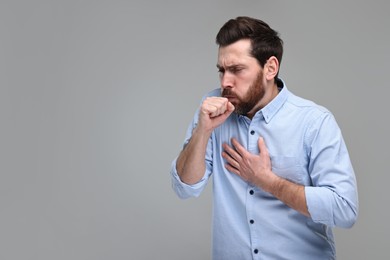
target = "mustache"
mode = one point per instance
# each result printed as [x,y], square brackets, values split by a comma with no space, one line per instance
[228,93]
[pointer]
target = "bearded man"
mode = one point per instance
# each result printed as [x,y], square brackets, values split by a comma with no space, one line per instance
[282,176]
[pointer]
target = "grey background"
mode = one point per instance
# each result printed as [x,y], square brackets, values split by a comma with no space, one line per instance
[95,97]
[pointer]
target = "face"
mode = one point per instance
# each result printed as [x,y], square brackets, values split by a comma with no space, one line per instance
[241,77]
[244,105]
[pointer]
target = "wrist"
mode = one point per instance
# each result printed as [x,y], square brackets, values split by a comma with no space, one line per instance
[202,131]
[274,184]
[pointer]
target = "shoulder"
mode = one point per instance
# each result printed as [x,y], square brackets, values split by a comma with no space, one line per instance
[213,93]
[299,105]
[306,106]
[311,116]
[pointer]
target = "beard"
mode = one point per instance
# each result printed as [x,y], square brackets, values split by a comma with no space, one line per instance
[246,103]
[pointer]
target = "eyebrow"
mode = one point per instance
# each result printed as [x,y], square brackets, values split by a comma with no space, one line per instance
[235,66]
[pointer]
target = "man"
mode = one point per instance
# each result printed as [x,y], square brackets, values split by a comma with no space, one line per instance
[282,176]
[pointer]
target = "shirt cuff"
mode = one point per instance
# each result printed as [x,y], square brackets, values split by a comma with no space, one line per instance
[184,190]
[319,204]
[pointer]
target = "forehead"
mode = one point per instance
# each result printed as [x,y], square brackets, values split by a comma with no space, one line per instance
[235,53]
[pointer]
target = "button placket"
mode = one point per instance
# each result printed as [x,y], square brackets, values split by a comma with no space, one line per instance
[250,214]
[253,135]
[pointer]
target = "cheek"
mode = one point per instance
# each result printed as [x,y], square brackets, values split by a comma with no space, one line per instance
[247,79]
[243,86]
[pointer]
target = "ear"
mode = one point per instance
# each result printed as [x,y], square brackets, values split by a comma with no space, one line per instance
[271,68]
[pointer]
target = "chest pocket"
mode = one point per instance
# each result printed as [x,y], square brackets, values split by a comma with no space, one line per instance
[287,167]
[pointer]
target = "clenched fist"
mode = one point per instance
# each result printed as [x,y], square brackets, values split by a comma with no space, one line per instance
[213,112]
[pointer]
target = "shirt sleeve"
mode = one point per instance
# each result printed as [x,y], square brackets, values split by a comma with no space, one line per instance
[332,199]
[182,189]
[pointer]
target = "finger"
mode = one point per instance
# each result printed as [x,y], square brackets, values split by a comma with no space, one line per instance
[219,101]
[231,152]
[230,160]
[215,106]
[262,147]
[230,107]
[223,104]
[238,147]
[232,169]
[214,110]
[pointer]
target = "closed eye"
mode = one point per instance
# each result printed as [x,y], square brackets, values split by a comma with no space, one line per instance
[234,69]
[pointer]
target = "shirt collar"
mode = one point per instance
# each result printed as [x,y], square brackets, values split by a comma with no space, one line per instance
[270,110]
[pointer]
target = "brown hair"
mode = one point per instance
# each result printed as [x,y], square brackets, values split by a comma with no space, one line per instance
[265,41]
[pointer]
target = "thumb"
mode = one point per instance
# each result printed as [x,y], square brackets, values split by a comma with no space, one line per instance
[230,107]
[262,147]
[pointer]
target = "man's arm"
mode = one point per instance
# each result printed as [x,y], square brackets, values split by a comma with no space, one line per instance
[190,164]
[257,170]
[292,194]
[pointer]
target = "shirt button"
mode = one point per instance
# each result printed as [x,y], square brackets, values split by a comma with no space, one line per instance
[252,132]
[251,221]
[251,192]
[256,251]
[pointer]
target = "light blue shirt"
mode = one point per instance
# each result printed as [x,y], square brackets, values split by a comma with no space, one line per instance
[306,147]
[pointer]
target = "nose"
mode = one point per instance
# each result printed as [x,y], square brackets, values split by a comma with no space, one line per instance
[227,80]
